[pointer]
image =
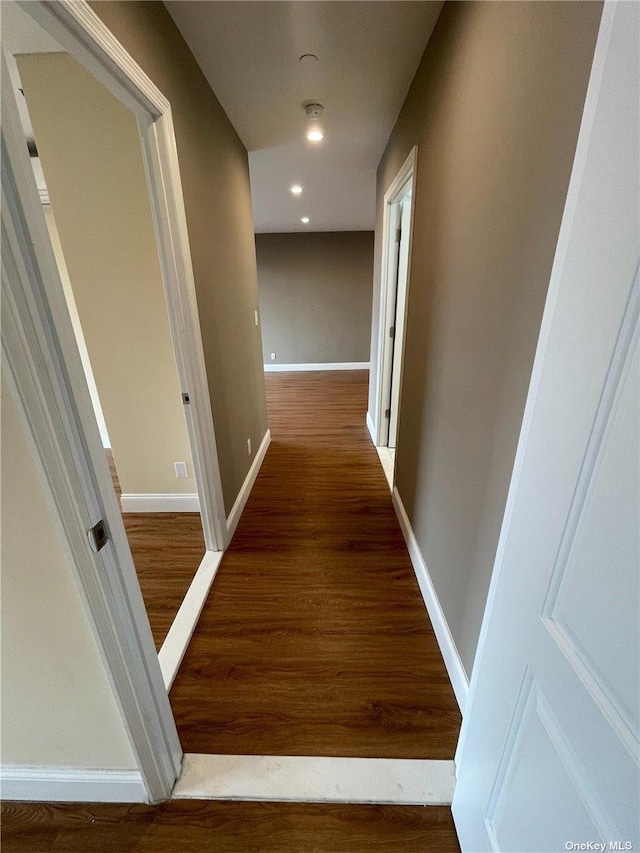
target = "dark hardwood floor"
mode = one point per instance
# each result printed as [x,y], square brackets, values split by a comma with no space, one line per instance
[167,548]
[195,826]
[315,639]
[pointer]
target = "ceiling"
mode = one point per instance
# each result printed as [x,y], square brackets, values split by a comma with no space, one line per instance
[367,52]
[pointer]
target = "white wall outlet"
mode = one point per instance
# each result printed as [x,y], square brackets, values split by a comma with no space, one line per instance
[256,316]
[248,447]
[273,356]
[181,470]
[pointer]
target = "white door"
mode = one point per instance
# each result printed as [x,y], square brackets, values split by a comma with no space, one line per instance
[548,757]
[400,316]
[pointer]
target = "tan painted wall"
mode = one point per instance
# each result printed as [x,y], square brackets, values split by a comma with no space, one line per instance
[495,108]
[315,296]
[91,156]
[215,177]
[57,705]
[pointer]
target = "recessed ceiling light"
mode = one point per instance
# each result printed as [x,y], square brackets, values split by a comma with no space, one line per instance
[296,189]
[315,135]
[305,219]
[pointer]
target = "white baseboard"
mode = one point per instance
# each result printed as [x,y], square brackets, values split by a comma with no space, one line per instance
[69,784]
[160,503]
[452,661]
[330,365]
[308,779]
[182,628]
[371,427]
[245,491]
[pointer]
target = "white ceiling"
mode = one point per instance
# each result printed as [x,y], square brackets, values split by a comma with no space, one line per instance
[21,34]
[368,53]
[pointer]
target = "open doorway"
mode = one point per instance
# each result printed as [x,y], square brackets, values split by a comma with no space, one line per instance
[397,238]
[132,327]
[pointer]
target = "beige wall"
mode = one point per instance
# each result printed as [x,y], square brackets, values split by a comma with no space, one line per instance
[495,108]
[57,704]
[91,156]
[315,296]
[215,177]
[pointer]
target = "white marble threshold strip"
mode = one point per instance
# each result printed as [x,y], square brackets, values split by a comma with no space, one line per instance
[176,642]
[304,779]
[387,460]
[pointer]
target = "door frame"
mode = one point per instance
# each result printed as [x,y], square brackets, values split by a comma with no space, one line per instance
[83,35]
[43,367]
[403,181]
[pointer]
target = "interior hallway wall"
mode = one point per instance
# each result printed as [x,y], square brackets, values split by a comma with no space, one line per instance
[91,156]
[215,178]
[57,704]
[495,109]
[315,296]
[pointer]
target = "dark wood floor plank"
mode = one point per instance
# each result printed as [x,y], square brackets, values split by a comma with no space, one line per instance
[315,639]
[195,826]
[167,548]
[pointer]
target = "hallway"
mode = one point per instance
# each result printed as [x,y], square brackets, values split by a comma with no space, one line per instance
[315,639]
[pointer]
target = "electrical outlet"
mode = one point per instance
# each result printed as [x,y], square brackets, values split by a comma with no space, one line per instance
[273,356]
[181,470]
[256,316]
[248,447]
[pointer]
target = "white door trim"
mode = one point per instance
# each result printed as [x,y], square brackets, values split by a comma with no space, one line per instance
[81,32]
[405,179]
[42,364]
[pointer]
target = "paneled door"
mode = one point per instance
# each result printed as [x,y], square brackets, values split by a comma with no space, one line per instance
[548,757]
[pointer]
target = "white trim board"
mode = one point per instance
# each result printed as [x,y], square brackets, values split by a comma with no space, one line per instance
[309,779]
[245,491]
[69,784]
[160,503]
[329,365]
[177,640]
[455,669]
[372,428]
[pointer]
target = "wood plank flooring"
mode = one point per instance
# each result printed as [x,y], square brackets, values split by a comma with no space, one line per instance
[167,548]
[194,826]
[314,639]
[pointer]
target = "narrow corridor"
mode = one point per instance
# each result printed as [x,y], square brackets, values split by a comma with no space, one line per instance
[315,639]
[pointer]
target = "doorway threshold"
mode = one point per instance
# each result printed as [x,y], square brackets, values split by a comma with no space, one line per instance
[312,779]
[387,456]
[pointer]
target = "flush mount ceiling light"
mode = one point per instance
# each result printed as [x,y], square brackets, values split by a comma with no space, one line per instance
[315,136]
[296,189]
[305,219]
